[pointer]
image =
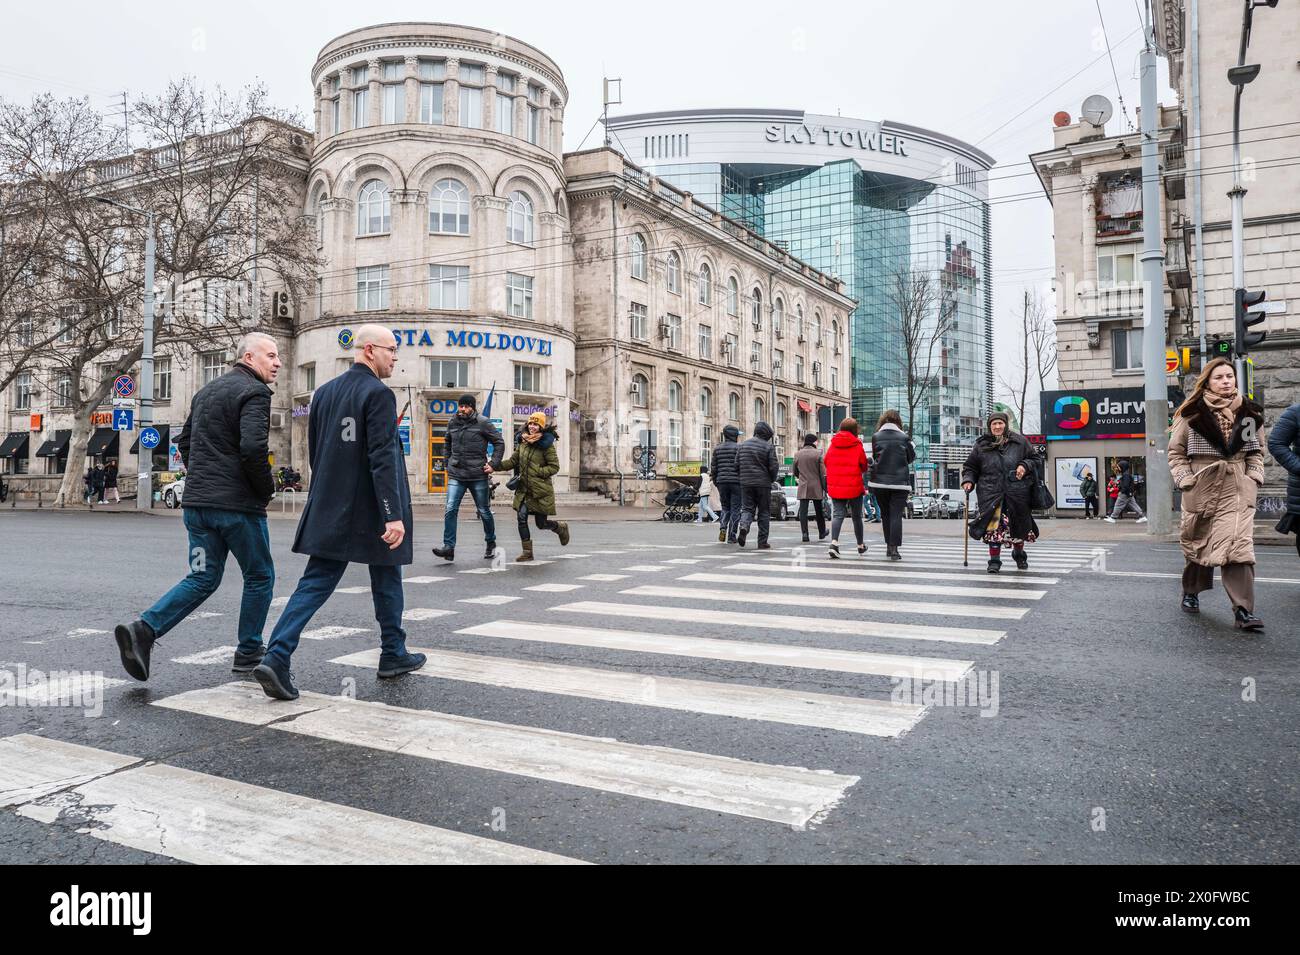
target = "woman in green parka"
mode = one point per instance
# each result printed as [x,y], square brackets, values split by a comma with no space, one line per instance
[535,463]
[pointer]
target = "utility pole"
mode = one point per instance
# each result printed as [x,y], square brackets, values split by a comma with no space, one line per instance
[1159,484]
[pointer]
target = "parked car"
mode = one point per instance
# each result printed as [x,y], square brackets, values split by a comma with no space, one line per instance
[791,494]
[946,503]
[173,493]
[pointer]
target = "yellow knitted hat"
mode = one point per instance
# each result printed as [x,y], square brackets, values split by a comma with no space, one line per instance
[538,418]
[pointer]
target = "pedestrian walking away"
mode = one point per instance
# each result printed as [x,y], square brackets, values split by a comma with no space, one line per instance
[810,472]
[470,440]
[97,485]
[228,484]
[110,481]
[1216,460]
[726,478]
[535,462]
[1284,445]
[871,509]
[890,477]
[1126,499]
[846,464]
[358,510]
[757,464]
[88,479]
[1000,469]
[706,492]
[1088,491]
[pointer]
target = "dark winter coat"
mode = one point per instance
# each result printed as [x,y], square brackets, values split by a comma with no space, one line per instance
[991,468]
[97,479]
[1125,478]
[810,471]
[723,466]
[110,476]
[467,447]
[224,444]
[846,460]
[891,453]
[1088,487]
[535,464]
[756,458]
[358,473]
[1284,445]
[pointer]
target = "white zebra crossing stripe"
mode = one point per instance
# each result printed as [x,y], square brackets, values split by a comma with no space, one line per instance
[783,794]
[822,600]
[736,651]
[85,632]
[647,568]
[208,657]
[426,579]
[604,577]
[727,618]
[893,587]
[849,714]
[332,633]
[492,600]
[56,688]
[554,588]
[352,590]
[898,572]
[198,818]
[426,613]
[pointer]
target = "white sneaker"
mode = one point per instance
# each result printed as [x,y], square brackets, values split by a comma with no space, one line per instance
[1109,520]
[1141,520]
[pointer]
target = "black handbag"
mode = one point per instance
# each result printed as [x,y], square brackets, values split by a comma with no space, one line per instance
[513,483]
[1040,498]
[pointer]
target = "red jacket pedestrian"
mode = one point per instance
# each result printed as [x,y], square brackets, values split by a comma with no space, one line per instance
[845,462]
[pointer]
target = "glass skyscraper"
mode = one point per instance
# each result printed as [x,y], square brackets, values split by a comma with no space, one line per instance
[872,203]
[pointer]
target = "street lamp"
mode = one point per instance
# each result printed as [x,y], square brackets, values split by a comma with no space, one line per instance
[144,485]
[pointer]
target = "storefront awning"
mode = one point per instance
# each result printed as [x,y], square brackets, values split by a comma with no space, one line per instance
[103,441]
[162,430]
[804,406]
[14,445]
[55,447]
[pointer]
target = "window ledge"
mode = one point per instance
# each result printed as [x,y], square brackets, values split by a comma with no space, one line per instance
[373,235]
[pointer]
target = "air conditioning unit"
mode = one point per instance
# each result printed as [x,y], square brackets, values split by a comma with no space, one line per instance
[589,426]
[277,419]
[817,368]
[758,323]
[802,338]
[756,363]
[779,333]
[664,331]
[280,306]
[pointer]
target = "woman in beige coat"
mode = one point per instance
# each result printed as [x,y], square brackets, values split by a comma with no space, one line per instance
[1216,460]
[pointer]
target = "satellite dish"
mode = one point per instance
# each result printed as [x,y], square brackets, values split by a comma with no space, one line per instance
[1096,109]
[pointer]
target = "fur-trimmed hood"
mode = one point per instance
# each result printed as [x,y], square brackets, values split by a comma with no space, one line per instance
[1200,418]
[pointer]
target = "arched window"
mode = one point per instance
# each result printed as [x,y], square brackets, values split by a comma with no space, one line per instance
[835,334]
[817,328]
[798,320]
[374,209]
[781,412]
[759,409]
[519,219]
[733,406]
[706,402]
[733,296]
[674,273]
[640,390]
[756,309]
[778,316]
[317,212]
[637,255]
[449,208]
[706,285]
[674,395]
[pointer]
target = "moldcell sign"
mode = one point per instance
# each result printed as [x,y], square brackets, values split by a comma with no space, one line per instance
[835,136]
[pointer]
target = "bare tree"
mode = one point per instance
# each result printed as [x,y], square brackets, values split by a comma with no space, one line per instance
[1035,357]
[222,176]
[924,317]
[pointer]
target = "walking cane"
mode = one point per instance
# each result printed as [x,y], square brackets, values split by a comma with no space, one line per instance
[965,533]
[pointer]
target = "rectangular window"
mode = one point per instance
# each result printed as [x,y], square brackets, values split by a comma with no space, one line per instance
[534,125]
[528,378]
[394,71]
[372,288]
[320,297]
[308,377]
[433,69]
[778,364]
[472,74]
[63,391]
[360,74]
[26,330]
[449,286]
[1126,349]
[395,104]
[431,103]
[706,342]
[674,439]
[162,378]
[755,356]
[360,108]
[23,391]
[640,317]
[211,366]
[675,332]
[214,303]
[505,115]
[835,379]
[1117,266]
[798,368]
[448,374]
[113,327]
[67,320]
[519,295]
[706,441]
[471,107]
[730,347]
[336,107]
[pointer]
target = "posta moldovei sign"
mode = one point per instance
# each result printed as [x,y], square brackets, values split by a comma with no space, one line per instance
[1097,413]
[464,338]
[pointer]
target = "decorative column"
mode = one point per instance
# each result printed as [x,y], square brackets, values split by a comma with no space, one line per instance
[451,93]
[489,282]
[344,103]
[520,130]
[412,89]
[490,98]
[316,107]
[557,129]
[408,289]
[375,105]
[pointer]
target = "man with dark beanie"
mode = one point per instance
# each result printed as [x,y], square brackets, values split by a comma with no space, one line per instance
[726,478]
[757,464]
[810,471]
[469,437]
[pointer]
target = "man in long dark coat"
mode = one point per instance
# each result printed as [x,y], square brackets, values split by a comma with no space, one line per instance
[358,510]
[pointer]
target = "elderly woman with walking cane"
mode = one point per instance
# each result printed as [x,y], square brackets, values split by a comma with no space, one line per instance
[1001,469]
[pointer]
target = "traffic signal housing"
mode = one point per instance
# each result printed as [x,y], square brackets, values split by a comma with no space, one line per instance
[1245,339]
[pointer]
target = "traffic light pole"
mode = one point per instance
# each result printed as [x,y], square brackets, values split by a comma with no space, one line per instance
[1159,485]
[144,484]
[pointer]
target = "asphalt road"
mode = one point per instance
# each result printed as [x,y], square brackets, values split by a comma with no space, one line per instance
[1120,732]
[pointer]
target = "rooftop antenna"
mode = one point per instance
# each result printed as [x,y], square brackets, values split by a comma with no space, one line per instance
[613,97]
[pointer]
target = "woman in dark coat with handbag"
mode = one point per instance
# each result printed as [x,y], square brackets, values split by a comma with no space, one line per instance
[1284,445]
[890,479]
[535,463]
[1001,469]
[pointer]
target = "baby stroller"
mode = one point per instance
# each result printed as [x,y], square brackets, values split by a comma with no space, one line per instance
[681,502]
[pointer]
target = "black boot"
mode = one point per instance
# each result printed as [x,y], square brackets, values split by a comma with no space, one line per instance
[135,642]
[1191,603]
[893,554]
[1245,620]
[446,553]
[488,553]
[995,564]
[740,538]
[1021,558]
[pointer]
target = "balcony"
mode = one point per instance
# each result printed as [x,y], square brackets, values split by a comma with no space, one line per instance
[1175,172]
[1120,302]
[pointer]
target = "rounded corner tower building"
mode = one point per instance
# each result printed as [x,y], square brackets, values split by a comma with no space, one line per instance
[437,190]
[865,201]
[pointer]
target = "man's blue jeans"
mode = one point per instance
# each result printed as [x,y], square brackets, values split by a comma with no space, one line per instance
[214,534]
[317,584]
[482,494]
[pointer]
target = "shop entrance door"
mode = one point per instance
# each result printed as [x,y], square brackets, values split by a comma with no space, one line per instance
[1138,464]
[438,456]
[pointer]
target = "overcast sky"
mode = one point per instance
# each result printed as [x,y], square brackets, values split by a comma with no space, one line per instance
[971,68]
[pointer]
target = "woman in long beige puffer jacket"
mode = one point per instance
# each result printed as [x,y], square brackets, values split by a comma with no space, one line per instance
[1215,458]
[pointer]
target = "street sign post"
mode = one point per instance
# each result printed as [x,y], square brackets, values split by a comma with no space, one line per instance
[123,386]
[123,419]
[150,438]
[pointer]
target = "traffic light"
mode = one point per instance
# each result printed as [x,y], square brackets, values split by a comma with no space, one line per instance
[1246,340]
[1221,348]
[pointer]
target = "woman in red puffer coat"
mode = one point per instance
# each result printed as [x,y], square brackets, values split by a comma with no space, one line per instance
[845,463]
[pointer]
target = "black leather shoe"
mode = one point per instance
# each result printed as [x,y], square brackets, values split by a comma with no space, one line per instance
[247,662]
[995,565]
[488,554]
[399,665]
[277,681]
[1191,603]
[446,553]
[893,554]
[740,538]
[135,642]
[1021,559]
[764,545]
[1245,620]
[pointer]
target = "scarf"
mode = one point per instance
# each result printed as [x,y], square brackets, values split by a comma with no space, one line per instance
[532,438]
[1225,409]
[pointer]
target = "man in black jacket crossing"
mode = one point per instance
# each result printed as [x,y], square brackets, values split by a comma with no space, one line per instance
[756,461]
[726,478]
[228,484]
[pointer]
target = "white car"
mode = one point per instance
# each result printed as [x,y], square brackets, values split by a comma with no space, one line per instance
[173,493]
